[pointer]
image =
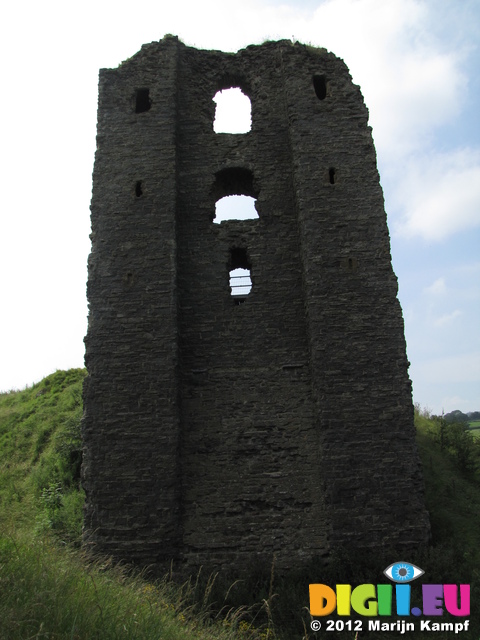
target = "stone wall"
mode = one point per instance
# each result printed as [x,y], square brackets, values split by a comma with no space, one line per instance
[218,433]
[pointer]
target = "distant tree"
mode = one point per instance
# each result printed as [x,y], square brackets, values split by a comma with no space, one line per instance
[456,416]
[457,438]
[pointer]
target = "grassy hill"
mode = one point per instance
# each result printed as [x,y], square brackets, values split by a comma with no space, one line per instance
[50,589]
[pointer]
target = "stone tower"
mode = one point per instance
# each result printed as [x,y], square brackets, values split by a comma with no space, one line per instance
[218,433]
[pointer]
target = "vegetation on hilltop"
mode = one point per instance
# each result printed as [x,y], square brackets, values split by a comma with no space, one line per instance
[50,589]
[459,416]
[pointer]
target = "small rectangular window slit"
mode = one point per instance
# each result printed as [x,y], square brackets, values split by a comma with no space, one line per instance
[239,271]
[320,86]
[142,100]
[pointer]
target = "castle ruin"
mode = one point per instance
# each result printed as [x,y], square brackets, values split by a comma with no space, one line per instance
[225,424]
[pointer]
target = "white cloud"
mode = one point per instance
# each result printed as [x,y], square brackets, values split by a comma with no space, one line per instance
[463,368]
[447,319]
[439,194]
[458,402]
[412,98]
[470,269]
[438,288]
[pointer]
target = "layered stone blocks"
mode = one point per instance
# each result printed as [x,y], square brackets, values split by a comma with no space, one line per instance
[219,433]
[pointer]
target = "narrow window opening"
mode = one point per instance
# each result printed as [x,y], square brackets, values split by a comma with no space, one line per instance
[240,275]
[348,264]
[128,279]
[142,100]
[235,208]
[240,285]
[233,113]
[138,189]
[320,86]
[332,175]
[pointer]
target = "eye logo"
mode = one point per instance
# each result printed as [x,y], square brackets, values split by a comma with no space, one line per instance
[403,572]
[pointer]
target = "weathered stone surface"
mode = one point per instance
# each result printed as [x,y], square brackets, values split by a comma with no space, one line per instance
[220,434]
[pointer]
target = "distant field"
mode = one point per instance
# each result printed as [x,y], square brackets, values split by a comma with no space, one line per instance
[475,428]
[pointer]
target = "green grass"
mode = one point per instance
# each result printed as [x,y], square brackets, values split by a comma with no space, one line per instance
[49,589]
[452,492]
[49,592]
[53,592]
[474,426]
[34,424]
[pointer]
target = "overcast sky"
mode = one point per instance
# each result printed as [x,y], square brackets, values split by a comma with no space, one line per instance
[418,64]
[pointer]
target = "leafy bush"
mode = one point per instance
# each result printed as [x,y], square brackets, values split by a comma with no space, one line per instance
[457,439]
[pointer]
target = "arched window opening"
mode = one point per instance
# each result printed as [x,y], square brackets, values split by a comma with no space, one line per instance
[138,189]
[240,278]
[320,86]
[234,181]
[233,113]
[235,208]
[142,100]
[332,175]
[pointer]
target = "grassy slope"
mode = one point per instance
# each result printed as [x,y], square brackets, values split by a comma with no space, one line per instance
[49,590]
[38,441]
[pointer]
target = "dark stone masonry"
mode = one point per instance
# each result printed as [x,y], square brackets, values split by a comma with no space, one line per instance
[222,429]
